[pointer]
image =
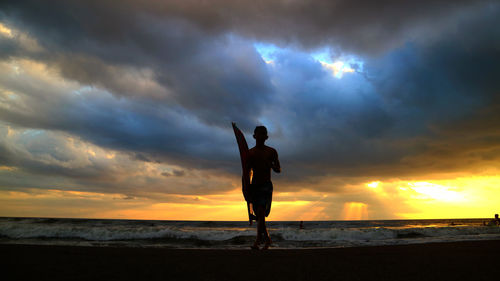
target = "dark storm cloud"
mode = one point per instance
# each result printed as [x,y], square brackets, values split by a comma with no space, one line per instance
[89,42]
[330,126]
[180,71]
[361,25]
[403,115]
[191,79]
[43,159]
[160,132]
[448,87]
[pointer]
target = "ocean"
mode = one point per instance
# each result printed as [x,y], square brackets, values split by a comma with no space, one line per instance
[238,234]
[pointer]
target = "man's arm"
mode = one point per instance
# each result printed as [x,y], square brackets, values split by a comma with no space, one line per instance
[276,162]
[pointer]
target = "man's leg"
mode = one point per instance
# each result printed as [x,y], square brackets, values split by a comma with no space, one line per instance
[260,213]
[261,227]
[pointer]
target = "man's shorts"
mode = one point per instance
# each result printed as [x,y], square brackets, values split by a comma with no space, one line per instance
[262,195]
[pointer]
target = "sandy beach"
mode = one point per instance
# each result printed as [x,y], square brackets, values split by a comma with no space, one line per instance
[476,260]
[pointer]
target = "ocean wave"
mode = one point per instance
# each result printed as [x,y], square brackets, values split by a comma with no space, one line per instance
[101,230]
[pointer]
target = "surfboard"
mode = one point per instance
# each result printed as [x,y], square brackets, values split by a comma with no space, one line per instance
[245,176]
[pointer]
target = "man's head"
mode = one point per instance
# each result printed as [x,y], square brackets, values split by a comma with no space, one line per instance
[260,133]
[496,216]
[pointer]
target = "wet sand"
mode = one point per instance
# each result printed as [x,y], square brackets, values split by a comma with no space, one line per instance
[478,260]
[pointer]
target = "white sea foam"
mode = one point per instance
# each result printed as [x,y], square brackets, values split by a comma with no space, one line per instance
[217,234]
[113,232]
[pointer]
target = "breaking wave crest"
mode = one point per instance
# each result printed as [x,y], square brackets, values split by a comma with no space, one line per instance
[222,234]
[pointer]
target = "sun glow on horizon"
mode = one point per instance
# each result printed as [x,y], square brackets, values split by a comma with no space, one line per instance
[468,197]
[428,190]
[462,197]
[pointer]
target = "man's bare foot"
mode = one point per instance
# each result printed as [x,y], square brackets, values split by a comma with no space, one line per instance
[255,245]
[268,243]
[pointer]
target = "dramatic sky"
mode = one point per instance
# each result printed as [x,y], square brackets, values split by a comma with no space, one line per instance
[122,109]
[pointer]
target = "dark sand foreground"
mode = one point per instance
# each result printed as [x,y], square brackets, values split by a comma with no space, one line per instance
[478,260]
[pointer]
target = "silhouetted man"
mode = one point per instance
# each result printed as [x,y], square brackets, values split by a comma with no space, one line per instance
[495,221]
[261,159]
